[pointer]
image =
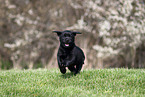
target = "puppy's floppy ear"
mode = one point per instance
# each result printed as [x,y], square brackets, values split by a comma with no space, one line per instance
[58,32]
[76,33]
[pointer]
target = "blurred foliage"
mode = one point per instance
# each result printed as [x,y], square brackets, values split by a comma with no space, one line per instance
[113,32]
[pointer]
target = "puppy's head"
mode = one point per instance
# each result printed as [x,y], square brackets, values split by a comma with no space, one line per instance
[67,38]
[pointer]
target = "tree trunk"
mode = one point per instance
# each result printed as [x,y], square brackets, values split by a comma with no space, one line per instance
[53,60]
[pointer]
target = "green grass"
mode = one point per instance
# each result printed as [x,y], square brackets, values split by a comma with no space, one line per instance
[89,83]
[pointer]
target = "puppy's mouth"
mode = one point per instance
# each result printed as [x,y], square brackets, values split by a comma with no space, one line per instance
[67,45]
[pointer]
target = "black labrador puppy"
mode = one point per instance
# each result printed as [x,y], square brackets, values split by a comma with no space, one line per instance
[69,55]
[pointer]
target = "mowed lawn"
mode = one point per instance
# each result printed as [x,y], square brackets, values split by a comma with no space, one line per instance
[89,83]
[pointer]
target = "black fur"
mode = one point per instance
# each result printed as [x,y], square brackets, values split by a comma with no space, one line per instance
[69,55]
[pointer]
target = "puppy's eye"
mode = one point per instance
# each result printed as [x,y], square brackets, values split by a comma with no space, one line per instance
[68,35]
[65,35]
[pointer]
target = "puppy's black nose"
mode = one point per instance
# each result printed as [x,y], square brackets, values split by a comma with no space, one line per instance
[67,40]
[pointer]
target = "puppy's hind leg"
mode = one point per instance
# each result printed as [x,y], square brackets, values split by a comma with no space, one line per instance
[72,68]
[78,68]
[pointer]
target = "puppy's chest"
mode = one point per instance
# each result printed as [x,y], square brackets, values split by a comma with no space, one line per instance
[66,55]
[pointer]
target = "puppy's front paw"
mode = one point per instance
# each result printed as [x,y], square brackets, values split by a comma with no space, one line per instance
[67,64]
[63,70]
[62,65]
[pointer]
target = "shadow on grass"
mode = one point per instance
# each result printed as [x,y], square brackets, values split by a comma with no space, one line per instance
[68,75]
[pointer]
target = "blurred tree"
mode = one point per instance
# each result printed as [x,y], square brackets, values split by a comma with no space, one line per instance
[113,31]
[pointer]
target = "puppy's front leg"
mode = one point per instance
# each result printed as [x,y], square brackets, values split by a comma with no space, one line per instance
[62,68]
[58,60]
